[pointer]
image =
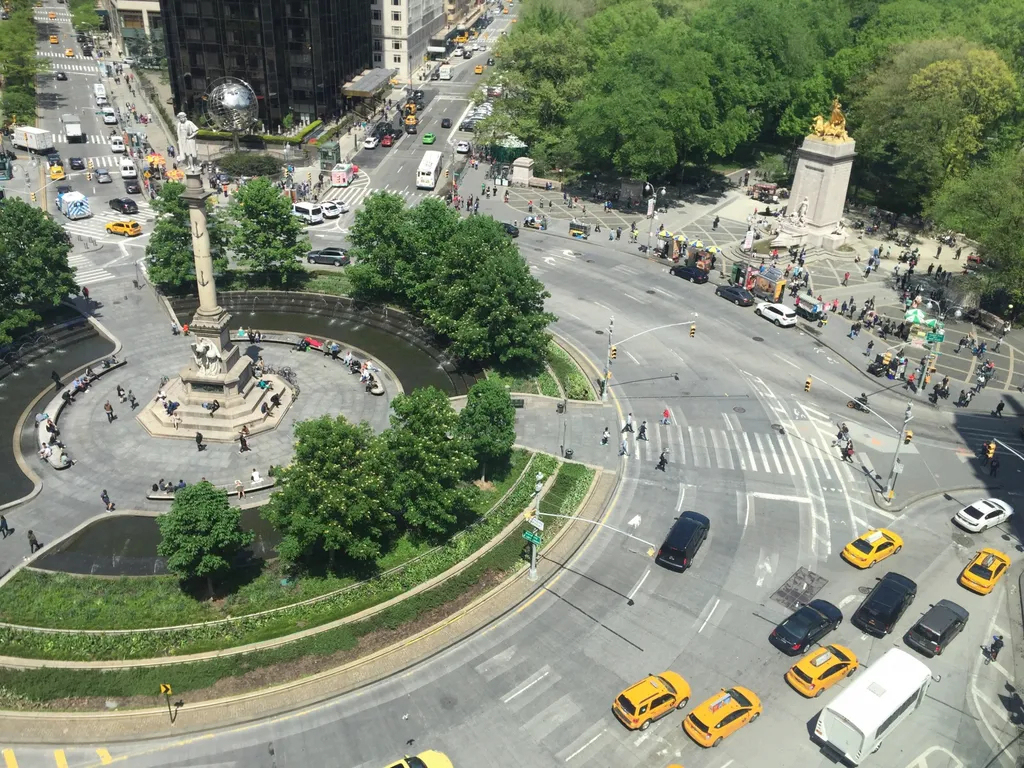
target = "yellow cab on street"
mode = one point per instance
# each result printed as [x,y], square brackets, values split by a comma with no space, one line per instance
[651,699]
[69,53]
[428,759]
[54,39]
[51,15]
[820,669]
[126,228]
[722,715]
[57,172]
[871,548]
[478,69]
[984,571]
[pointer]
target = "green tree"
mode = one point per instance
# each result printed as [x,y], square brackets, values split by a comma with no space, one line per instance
[488,425]
[332,499]
[772,168]
[169,250]
[987,204]
[385,247]
[268,237]
[202,534]
[34,271]
[430,460]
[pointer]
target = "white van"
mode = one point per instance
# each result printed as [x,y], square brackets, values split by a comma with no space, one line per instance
[310,213]
[100,92]
[128,170]
[116,144]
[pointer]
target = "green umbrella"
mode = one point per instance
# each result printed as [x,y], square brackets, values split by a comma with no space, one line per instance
[914,316]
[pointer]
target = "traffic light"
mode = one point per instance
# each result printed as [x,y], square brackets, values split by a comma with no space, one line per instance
[693,331]
[309,176]
[89,164]
[887,358]
[613,352]
[990,450]
[88,176]
[909,435]
[33,196]
[446,174]
[807,384]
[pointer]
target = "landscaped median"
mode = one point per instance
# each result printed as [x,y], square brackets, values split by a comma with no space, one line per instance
[85,686]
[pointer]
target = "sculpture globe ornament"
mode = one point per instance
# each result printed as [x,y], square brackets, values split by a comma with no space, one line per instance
[231,106]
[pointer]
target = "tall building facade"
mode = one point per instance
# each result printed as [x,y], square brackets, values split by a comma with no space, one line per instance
[296,54]
[402,30]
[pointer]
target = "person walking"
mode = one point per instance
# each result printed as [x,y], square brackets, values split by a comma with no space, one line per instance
[662,461]
[605,436]
[199,442]
[993,649]
[993,466]
[714,224]
[4,529]
[105,498]
[240,489]
[109,410]
[846,278]
[121,393]
[624,448]
[629,423]
[999,409]
[871,346]
[243,442]
[33,543]
[643,431]
[666,417]
[132,401]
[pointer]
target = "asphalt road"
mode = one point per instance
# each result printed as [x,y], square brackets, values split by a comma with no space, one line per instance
[536,689]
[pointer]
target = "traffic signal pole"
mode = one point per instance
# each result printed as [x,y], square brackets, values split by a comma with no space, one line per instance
[890,489]
[607,363]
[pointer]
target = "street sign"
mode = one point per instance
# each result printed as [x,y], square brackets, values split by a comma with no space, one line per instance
[899,467]
[932,337]
[532,536]
[537,523]
[165,688]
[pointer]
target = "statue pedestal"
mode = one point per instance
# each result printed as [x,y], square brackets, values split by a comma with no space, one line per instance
[822,179]
[793,233]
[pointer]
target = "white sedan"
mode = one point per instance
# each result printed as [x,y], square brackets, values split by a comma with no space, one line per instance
[331,210]
[982,515]
[779,314]
[371,142]
[462,147]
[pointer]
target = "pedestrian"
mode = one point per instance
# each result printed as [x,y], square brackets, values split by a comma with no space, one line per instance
[643,431]
[105,498]
[85,295]
[871,346]
[714,224]
[56,380]
[132,401]
[662,461]
[121,393]
[605,436]
[848,452]
[624,448]
[4,530]
[993,466]
[629,423]
[240,489]
[199,442]
[999,409]
[666,417]
[846,278]
[243,440]
[109,410]
[33,543]
[994,648]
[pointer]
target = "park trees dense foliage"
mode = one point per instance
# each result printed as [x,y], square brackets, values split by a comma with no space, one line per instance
[169,255]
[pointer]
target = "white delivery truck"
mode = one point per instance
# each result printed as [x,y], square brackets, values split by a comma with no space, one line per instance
[73,129]
[445,71]
[31,138]
[74,205]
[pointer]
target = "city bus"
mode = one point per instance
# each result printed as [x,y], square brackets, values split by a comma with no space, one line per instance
[429,171]
[856,721]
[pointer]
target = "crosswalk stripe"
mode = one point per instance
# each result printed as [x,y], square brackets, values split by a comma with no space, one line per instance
[739,450]
[764,456]
[775,456]
[785,455]
[722,449]
[679,435]
[750,451]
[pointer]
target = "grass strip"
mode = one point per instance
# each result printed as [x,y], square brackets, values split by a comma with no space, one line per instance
[569,375]
[25,689]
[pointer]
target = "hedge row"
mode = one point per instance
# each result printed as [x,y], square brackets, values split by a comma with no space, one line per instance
[253,629]
[569,374]
[19,689]
[205,133]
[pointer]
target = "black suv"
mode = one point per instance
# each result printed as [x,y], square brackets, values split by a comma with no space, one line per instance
[693,274]
[937,628]
[124,205]
[338,257]
[683,541]
[805,626]
[885,604]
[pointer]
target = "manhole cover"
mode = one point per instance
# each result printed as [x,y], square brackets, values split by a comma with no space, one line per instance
[651,292]
[739,409]
[590,261]
[599,332]
[799,589]
[758,338]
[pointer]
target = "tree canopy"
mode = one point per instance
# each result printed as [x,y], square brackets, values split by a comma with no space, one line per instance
[169,250]
[267,236]
[488,424]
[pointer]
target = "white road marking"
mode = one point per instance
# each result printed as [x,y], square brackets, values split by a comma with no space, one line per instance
[710,614]
[787,362]
[570,757]
[728,424]
[526,687]
[632,358]
[750,450]
[639,584]
[739,451]
[780,497]
[682,493]
[634,298]
[847,600]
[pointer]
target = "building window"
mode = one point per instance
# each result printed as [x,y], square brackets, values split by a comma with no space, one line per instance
[155,22]
[376,15]
[132,20]
[378,30]
[378,45]
[378,58]
[397,59]
[396,45]
[396,15]
[396,31]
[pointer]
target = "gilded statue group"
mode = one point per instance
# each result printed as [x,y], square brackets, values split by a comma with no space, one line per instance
[833,129]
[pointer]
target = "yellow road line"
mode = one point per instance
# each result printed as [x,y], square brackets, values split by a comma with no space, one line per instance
[104,756]
[60,758]
[9,759]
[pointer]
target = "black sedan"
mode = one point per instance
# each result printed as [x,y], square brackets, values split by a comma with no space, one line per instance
[77,163]
[61,75]
[741,297]
[131,186]
[511,229]
[446,122]
[885,604]
[693,274]
[806,626]
[337,257]
[124,205]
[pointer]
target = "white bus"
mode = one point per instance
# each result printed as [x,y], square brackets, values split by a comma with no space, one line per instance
[856,721]
[429,171]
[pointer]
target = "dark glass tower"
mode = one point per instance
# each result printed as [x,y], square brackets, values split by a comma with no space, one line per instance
[296,54]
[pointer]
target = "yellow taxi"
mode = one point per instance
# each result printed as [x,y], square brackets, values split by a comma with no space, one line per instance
[504,10]
[69,53]
[871,548]
[722,715]
[651,699]
[820,669]
[126,228]
[54,39]
[57,173]
[51,15]
[478,69]
[428,759]
[982,573]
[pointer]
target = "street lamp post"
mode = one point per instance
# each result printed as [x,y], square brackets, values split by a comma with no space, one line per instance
[607,363]
[891,482]
[654,210]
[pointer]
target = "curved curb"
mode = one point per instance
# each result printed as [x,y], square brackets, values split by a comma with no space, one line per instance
[879,499]
[152,723]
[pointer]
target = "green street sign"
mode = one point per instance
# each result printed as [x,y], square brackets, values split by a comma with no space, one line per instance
[532,536]
[932,337]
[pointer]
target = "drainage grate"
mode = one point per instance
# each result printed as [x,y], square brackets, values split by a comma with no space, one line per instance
[799,589]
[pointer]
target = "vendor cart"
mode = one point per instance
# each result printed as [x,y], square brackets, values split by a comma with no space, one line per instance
[579,230]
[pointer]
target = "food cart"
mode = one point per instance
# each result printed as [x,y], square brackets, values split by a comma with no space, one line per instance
[343,174]
[579,230]
[764,192]
[767,283]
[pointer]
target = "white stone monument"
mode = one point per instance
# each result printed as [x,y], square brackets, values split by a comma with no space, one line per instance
[815,211]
